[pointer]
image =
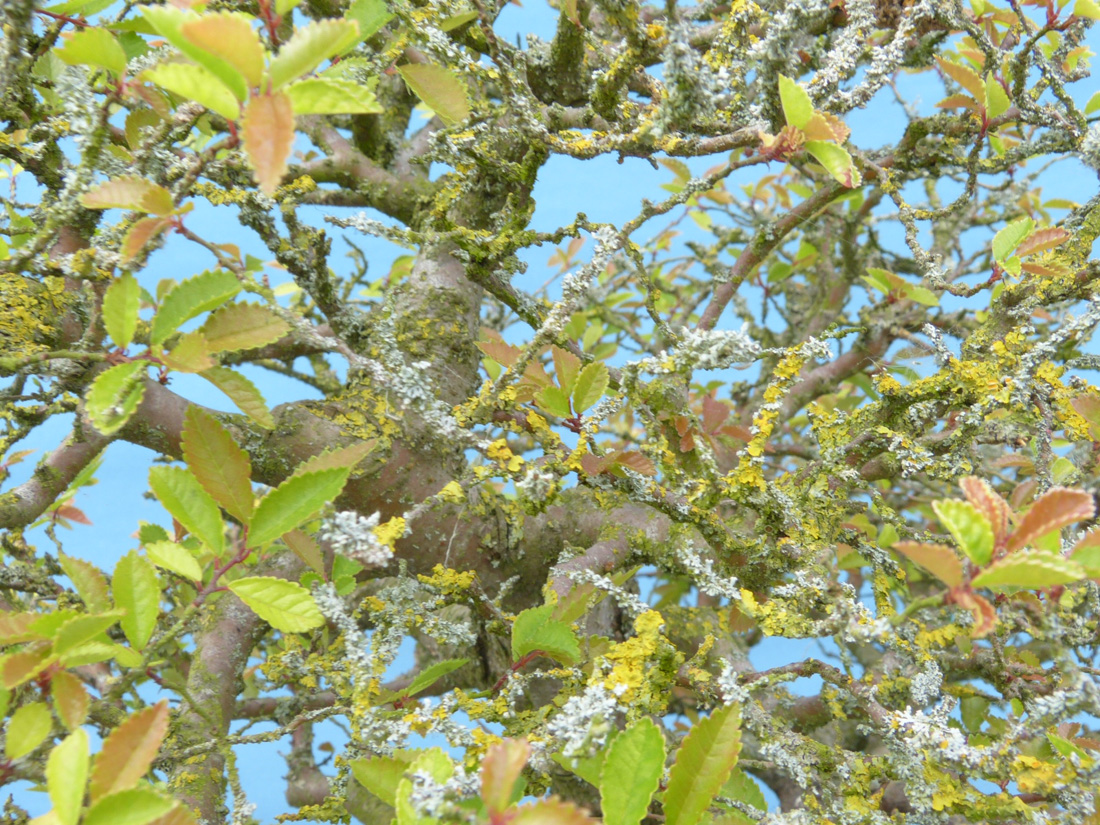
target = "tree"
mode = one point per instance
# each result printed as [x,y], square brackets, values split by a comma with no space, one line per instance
[568,495]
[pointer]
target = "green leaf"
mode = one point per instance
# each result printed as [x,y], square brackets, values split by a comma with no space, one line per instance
[169,21]
[218,463]
[964,76]
[703,764]
[554,401]
[551,811]
[268,134]
[229,37]
[797,106]
[242,392]
[381,774]
[432,762]
[1087,8]
[836,160]
[191,298]
[114,396]
[1093,105]
[590,387]
[137,591]
[190,354]
[968,527]
[27,728]
[921,295]
[90,584]
[535,629]
[94,46]
[120,309]
[310,46]
[174,558]
[296,500]
[743,788]
[440,89]
[371,15]
[996,99]
[323,96]
[134,807]
[128,753]
[938,559]
[70,700]
[193,82]
[81,629]
[631,773]
[67,775]
[286,606]
[183,496]
[429,676]
[1006,241]
[242,326]
[1031,570]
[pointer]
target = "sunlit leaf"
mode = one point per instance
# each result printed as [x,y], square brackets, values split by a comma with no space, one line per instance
[184,497]
[631,773]
[218,463]
[137,591]
[129,751]
[190,298]
[286,606]
[1057,508]
[267,135]
[324,96]
[242,326]
[193,82]
[114,396]
[27,728]
[138,806]
[968,527]
[938,559]
[703,764]
[797,106]
[67,776]
[129,192]
[168,20]
[440,89]
[837,162]
[94,46]
[1032,570]
[121,302]
[964,76]
[590,386]
[230,37]
[989,503]
[293,502]
[536,629]
[310,46]
[175,558]
[500,769]
[243,393]
[70,699]
[1006,240]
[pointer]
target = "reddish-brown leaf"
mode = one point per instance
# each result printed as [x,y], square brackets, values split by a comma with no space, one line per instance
[938,559]
[70,699]
[1041,240]
[636,462]
[1057,508]
[129,751]
[551,811]
[71,513]
[715,413]
[985,616]
[990,504]
[139,235]
[500,769]
[268,134]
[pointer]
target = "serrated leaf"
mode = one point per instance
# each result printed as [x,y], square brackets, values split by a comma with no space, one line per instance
[921,295]
[837,162]
[1057,508]
[381,774]
[243,393]
[114,396]
[501,767]
[536,629]
[27,728]
[996,99]
[551,811]
[371,15]
[184,497]
[129,751]
[566,367]
[242,326]
[1006,241]
[1087,8]
[500,352]
[231,38]
[218,463]
[190,354]
[81,629]
[304,547]
[286,606]
[826,126]
[129,192]
[430,675]
[293,502]
[191,298]
[590,387]
[741,787]
[268,134]
[17,668]
[797,106]
[968,527]
[1042,240]
[938,559]
[70,699]
[93,46]
[631,773]
[140,234]
[440,89]
[346,458]
[89,582]
[169,20]
[137,591]
[989,503]
[554,401]
[193,82]
[139,806]
[175,558]
[1029,570]
[67,775]
[703,764]
[324,96]
[121,302]
[310,46]
[964,76]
